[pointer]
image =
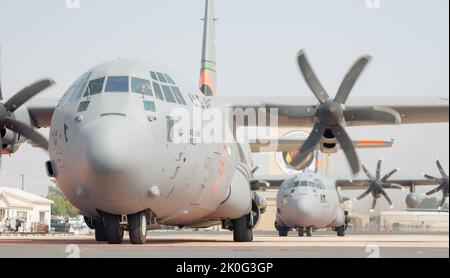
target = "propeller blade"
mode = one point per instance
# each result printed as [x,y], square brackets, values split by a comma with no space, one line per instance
[385,178]
[27,93]
[437,189]
[368,191]
[350,79]
[1,93]
[432,178]
[368,174]
[1,150]
[444,198]
[311,78]
[385,195]
[379,169]
[374,204]
[441,169]
[347,146]
[26,131]
[310,143]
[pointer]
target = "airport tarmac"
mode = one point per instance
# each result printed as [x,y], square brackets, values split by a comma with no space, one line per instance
[206,245]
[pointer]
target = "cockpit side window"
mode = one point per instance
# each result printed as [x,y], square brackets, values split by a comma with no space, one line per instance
[78,88]
[141,86]
[178,95]
[158,91]
[168,94]
[95,87]
[117,84]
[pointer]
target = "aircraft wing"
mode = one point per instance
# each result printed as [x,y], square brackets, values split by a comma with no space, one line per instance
[362,184]
[41,112]
[268,182]
[293,144]
[299,111]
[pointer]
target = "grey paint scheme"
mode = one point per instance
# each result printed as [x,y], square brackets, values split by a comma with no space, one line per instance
[115,159]
[112,158]
[309,207]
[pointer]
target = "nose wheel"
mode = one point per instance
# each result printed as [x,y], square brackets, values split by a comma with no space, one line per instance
[113,231]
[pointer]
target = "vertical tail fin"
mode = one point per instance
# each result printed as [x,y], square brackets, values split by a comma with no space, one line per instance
[208,74]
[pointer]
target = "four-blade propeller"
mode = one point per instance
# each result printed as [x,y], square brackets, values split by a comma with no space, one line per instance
[443,183]
[378,184]
[330,113]
[8,119]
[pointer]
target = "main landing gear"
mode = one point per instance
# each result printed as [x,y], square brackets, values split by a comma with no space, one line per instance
[137,226]
[243,229]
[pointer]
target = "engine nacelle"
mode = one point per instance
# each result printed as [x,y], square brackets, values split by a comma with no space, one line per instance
[413,200]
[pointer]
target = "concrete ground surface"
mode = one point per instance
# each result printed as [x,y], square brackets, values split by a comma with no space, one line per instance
[220,245]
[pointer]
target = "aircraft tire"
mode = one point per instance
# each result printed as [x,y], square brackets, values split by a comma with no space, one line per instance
[309,232]
[241,229]
[301,232]
[99,231]
[114,234]
[283,231]
[340,231]
[137,226]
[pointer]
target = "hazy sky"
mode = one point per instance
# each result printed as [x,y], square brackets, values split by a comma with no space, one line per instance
[257,43]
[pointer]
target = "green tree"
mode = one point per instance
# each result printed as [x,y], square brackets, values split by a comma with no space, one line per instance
[61,206]
[431,203]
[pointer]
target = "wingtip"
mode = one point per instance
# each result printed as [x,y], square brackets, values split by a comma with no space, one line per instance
[391,207]
[372,211]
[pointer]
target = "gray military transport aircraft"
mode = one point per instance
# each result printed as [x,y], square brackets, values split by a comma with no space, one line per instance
[312,200]
[112,155]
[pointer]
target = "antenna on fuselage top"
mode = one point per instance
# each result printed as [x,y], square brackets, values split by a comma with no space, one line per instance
[208,73]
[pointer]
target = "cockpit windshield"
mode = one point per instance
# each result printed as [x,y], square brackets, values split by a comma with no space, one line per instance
[117,84]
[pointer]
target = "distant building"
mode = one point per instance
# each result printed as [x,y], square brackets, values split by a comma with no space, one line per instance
[409,221]
[21,207]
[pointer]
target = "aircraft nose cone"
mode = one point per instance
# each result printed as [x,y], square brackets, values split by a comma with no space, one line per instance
[118,152]
[113,145]
[300,207]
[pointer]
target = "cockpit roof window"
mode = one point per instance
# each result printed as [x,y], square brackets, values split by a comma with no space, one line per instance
[169,79]
[158,91]
[141,86]
[117,84]
[154,76]
[168,94]
[161,77]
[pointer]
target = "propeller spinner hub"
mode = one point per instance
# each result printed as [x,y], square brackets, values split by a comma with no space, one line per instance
[330,113]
